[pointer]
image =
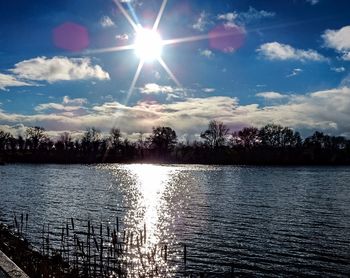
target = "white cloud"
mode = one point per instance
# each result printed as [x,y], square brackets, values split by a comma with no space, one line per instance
[202,22]
[339,40]
[271,95]
[16,130]
[122,37]
[56,106]
[138,2]
[106,21]
[346,56]
[206,53]
[74,101]
[67,105]
[254,14]
[229,20]
[279,51]
[58,68]
[228,16]
[134,3]
[153,88]
[7,80]
[295,72]
[339,69]
[208,90]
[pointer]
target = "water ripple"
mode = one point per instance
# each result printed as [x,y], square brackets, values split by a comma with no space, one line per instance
[263,221]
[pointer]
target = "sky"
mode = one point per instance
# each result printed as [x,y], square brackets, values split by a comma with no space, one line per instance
[68,65]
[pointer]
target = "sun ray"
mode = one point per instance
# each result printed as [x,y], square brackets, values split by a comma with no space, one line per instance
[133,83]
[133,14]
[111,49]
[166,68]
[234,32]
[125,13]
[186,39]
[200,37]
[159,16]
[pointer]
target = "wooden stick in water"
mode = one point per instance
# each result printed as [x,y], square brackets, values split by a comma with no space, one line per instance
[72,222]
[21,223]
[185,256]
[27,218]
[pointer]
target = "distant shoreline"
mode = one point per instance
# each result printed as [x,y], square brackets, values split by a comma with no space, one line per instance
[179,163]
[271,145]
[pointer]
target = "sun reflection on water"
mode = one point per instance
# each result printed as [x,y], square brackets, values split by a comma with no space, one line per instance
[151,183]
[148,216]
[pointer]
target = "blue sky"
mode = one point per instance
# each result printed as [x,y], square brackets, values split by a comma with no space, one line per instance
[283,62]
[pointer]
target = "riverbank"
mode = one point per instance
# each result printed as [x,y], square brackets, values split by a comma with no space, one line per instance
[8,269]
[27,258]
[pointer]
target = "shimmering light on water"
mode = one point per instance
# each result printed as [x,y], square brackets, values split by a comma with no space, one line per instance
[288,221]
[151,184]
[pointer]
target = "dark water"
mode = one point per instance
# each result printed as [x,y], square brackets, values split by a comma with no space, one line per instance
[266,221]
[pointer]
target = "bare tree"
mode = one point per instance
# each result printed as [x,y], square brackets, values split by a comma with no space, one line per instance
[115,138]
[66,140]
[4,139]
[91,139]
[35,136]
[163,139]
[216,134]
[278,136]
[248,137]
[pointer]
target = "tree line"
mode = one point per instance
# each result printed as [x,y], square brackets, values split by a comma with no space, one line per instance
[271,144]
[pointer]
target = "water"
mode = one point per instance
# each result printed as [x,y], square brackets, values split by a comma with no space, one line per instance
[267,221]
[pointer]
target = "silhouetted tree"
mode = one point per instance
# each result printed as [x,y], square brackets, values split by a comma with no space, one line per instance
[21,143]
[128,149]
[248,137]
[35,135]
[46,144]
[66,140]
[216,134]
[338,142]
[272,144]
[163,139]
[289,138]
[279,137]
[4,139]
[141,145]
[13,143]
[115,138]
[318,140]
[91,140]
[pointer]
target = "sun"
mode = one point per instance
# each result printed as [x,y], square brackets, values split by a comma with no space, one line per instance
[148,44]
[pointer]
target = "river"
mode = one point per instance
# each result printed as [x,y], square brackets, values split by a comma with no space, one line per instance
[273,221]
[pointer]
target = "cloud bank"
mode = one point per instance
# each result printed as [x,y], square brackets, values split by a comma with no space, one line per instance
[327,110]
